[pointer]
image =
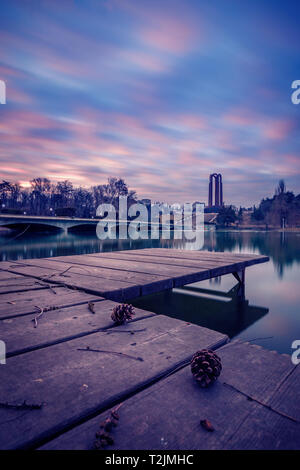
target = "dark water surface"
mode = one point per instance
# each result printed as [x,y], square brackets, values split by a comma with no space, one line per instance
[272,306]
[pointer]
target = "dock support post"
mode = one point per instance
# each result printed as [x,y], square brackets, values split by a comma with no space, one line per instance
[240,277]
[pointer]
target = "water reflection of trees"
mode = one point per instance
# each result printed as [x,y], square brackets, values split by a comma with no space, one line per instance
[283,248]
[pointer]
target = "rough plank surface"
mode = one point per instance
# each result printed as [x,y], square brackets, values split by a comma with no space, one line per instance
[24,303]
[139,259]
[74,384]
[200,255]
[21,284]
[112,289]
[114,285]
[66,266]
[22,334]
[118,268]
[127,275]
[167,415]
[4,276]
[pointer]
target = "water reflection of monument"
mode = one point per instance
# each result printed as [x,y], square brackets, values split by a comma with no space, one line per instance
[213,309]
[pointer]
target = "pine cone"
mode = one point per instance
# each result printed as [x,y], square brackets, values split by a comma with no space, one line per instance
[122,313]
[206,367]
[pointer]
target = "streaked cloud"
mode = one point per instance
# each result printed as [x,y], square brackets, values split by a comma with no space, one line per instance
[160,93]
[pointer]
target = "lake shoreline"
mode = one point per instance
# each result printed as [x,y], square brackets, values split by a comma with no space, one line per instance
[260,229]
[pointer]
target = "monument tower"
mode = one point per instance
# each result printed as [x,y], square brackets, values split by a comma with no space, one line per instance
[215,182]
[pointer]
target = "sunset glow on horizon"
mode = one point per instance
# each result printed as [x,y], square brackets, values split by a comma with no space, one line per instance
[159,93]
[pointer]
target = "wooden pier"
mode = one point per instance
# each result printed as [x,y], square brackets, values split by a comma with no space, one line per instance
[67,364]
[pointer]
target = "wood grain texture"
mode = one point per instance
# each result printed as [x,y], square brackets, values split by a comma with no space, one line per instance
[111,289]
[5,275]
[74,384]
[24,303]
[21,335]
[64,267]
[201,254]
[167,415]
[121,276]
[139,258]
[20,284]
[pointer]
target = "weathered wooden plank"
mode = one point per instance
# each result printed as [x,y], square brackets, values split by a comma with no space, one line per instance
[265,429]
[270,431]
[171,275]
[4,276]
[249,259]
[171,261]
[286,398]
[20,284]
[255,370]
[119,289]
[64,267]
[126,265]
[167,415]
[232,263]
[111,289]
[201,254]
[123,276]
[23,303]
[75,384]
[6,265]
[21,335]
[168,254]
[115,285]
[165,276]
[180,275]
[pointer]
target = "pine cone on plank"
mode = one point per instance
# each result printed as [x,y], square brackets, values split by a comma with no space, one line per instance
[206,367]
[122,313]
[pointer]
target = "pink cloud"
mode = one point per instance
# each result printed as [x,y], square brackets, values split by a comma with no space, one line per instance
[277,129]
[243,162]
[240,117]
[269,128]
[193,121]
[170,35]
[161,29]
[192,160]
[11,169]
[145,61]
[17,96]
[293,159]
[7,71]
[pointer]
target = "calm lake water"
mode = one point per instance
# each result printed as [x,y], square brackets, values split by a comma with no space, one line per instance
[270,315]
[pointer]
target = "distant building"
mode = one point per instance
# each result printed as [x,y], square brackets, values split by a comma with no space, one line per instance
[215,189]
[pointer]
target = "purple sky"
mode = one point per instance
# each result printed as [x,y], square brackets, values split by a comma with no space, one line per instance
[161,93]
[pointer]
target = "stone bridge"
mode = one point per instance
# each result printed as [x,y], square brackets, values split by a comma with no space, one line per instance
[46,222]
[60,223]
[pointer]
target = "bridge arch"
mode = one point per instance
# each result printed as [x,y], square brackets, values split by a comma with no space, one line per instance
[31,227]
